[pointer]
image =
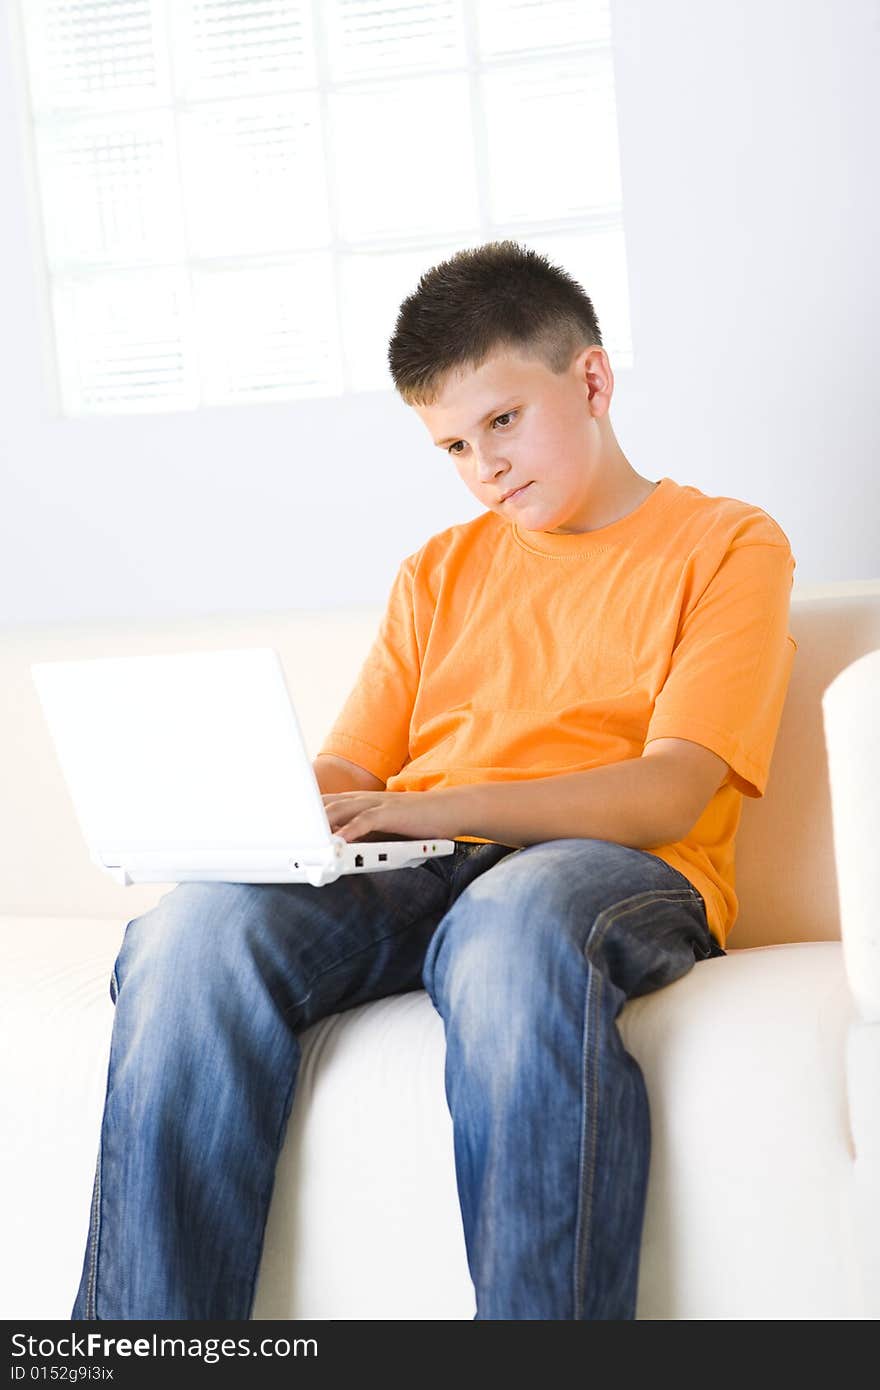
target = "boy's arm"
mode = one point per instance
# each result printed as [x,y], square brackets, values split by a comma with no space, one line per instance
[641,802]
[339,775]
[370,736]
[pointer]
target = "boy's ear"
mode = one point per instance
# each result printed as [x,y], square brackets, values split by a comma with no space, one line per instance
[594,369]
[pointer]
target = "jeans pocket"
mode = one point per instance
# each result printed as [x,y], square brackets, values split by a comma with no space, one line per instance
[709,946]
[713,947]
[703,947]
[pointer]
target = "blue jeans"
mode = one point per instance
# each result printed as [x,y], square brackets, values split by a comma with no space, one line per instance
[528,955]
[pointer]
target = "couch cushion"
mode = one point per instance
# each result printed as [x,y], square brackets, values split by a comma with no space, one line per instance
[748,1206]
[750,1201]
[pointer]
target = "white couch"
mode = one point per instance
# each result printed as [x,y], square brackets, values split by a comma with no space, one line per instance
[763,1067]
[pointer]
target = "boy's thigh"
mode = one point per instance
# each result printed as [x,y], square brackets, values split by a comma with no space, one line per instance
[629,913]
[320,950]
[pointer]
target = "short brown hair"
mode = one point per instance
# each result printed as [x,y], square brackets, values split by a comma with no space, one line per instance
[495,297]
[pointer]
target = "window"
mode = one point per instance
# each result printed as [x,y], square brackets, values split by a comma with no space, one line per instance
[237,194]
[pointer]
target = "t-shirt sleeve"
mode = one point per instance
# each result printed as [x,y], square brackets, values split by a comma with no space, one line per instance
[372,728]
[732,663]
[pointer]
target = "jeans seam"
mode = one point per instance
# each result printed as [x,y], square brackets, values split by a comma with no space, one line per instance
[91,1290]
[589,1088]
[285,1114]
[92,1285]
[587,1085]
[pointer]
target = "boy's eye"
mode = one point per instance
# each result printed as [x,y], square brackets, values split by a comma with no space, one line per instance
[507,415]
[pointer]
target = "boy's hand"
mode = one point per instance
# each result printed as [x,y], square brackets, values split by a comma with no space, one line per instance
[412,814]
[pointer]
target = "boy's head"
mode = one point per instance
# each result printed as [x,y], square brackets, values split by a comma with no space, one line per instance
[499,352]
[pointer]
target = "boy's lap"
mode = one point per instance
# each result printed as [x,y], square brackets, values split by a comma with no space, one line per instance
[589,875]
[351,911]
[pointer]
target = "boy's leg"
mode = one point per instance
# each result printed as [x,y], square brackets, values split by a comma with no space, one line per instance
[211,987]
[529,969]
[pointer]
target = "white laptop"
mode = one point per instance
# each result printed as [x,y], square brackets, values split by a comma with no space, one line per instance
[192,766]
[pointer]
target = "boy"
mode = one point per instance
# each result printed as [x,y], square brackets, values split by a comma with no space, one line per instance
[578,687]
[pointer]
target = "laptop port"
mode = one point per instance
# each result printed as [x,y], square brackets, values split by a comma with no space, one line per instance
[359,861]
[382,856]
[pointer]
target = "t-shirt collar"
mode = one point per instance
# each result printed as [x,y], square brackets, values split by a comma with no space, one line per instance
[617,532]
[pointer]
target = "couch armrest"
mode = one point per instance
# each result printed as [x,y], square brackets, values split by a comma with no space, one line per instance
[851,718]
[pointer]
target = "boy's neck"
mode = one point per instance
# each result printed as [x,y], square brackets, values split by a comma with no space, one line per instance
[616,490]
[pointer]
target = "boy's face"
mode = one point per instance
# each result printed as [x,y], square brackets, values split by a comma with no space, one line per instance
[513,423]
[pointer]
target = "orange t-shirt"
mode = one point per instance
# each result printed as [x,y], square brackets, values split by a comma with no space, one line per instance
[505,654]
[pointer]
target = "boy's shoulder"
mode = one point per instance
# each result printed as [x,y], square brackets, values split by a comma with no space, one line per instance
[484,531]
[717,522]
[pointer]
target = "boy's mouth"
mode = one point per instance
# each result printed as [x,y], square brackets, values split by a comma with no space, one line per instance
[519,492]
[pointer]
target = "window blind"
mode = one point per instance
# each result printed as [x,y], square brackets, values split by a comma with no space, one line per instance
[236,194]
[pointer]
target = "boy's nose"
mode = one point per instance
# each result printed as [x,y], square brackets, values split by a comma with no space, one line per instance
[489,464]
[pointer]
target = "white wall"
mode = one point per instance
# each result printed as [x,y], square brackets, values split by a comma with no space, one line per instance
[748,150]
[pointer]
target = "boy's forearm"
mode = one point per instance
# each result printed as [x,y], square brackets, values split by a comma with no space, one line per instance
[634,803]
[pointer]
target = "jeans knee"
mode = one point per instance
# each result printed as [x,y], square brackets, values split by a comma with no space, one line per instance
[487,1000]
[512,924]
[486,959]
[196,931]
